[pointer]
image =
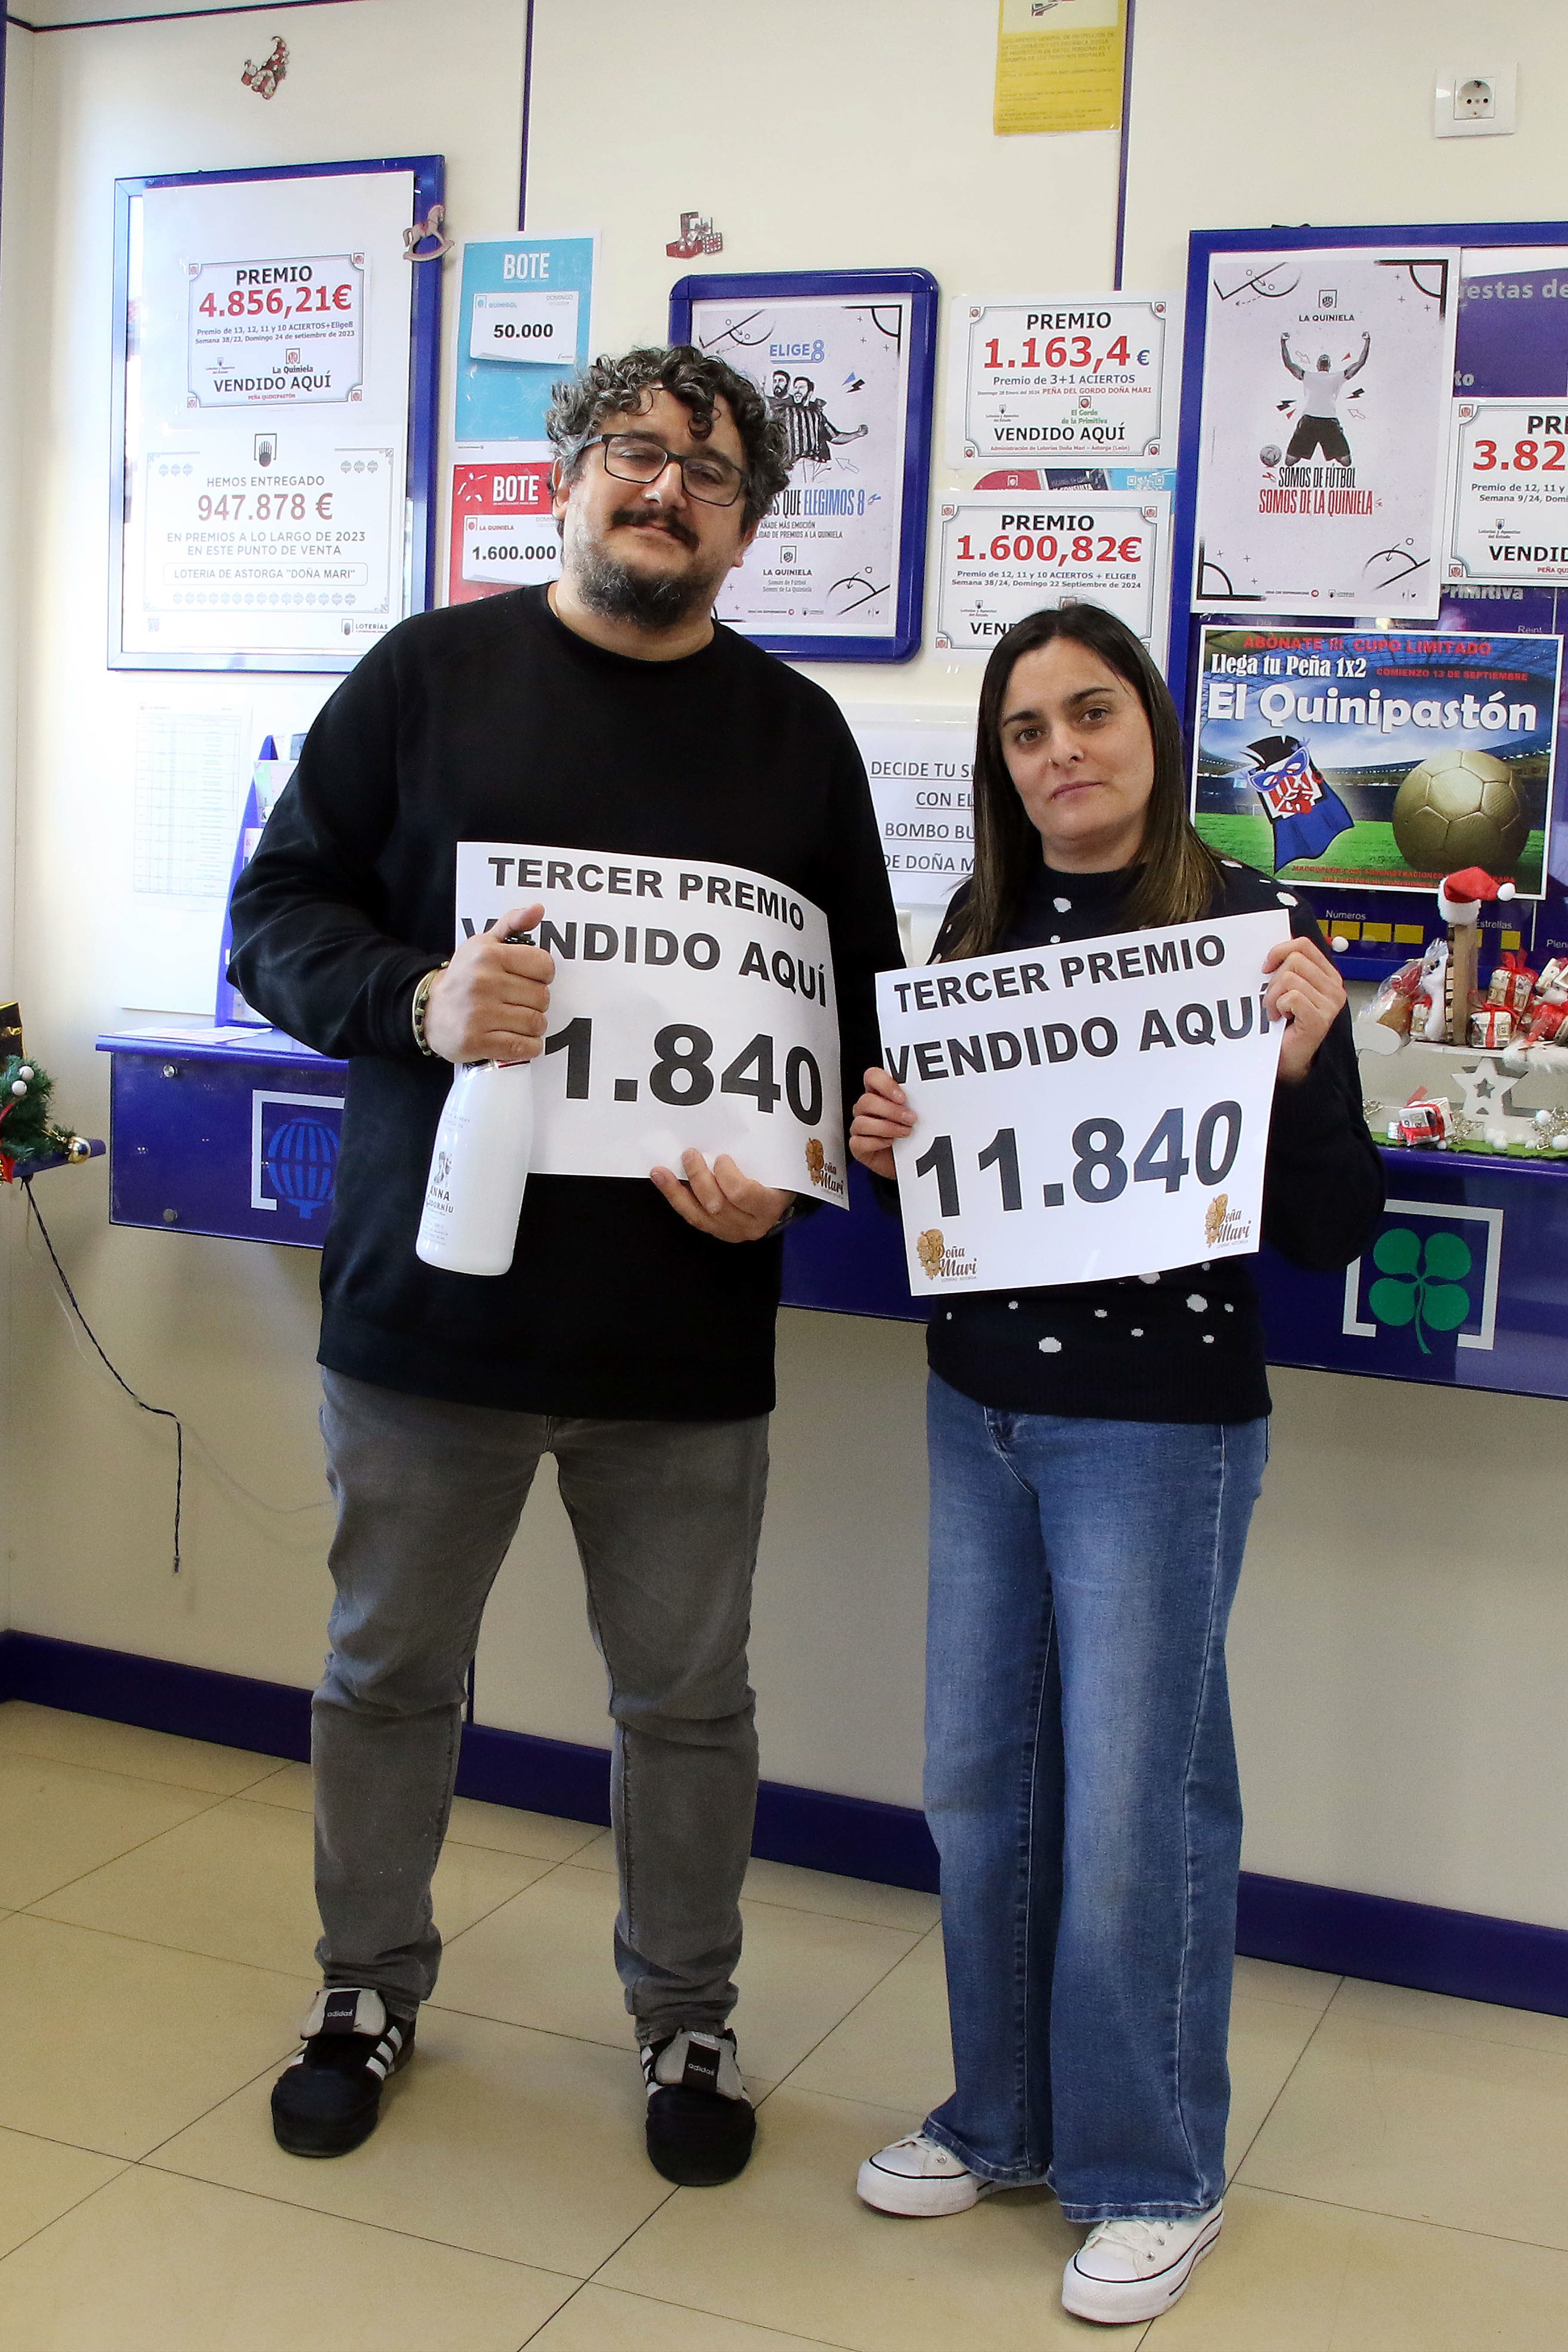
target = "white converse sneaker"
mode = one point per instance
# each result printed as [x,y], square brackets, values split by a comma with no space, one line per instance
[1129,2269]
[920,2177]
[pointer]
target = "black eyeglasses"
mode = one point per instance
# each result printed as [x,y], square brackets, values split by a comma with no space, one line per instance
[709,477]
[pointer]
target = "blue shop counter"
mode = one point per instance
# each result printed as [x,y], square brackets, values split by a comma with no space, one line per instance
[235,1132]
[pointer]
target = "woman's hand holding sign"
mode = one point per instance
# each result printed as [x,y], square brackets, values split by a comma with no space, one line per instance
[492,1001]
[882,1117]
[1306,993]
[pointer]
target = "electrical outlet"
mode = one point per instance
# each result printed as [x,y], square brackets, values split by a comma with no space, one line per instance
[1478,103]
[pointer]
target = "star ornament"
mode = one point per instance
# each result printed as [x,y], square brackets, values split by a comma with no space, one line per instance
[1486,1090]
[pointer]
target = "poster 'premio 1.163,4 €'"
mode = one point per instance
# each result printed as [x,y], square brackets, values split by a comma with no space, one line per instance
[1377,762]
[1062,380]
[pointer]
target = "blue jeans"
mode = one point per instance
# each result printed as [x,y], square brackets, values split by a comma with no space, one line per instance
[1081,1788]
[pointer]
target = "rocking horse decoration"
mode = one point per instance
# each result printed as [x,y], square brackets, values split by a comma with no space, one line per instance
[264,79]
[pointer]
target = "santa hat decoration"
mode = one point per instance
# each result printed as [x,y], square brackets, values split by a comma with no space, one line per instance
[1460,895]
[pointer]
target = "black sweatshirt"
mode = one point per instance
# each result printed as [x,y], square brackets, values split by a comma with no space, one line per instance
[1182,1345]
[494,722]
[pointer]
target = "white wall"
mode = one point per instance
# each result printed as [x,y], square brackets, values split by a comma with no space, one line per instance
[12,201]
[1404,1589]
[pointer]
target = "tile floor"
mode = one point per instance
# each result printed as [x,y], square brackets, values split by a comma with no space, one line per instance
[1398,2158]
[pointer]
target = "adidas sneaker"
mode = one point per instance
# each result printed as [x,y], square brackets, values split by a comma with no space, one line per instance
[327,2098]
[701,2124]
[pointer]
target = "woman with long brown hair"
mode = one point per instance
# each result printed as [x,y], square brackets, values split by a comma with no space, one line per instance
[1096,1450]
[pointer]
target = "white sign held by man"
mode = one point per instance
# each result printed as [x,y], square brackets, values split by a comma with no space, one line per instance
[693,1008]
[1084,1112]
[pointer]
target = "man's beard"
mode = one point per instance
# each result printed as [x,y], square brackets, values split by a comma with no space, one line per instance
[617,592]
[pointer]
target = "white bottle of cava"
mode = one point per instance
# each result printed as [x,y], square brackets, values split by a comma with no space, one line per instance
[478,1168]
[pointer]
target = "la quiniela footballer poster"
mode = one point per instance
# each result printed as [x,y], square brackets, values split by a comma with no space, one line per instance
[1327,381]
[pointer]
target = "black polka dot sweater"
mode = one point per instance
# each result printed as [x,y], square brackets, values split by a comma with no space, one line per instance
[1187,1345]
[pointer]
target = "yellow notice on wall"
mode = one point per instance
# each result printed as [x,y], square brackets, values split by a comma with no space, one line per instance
[1059,65]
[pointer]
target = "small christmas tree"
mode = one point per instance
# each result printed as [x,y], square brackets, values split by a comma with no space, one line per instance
[27,1133]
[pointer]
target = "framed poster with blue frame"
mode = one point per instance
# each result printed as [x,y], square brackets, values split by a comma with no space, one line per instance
[1494,295]
[275,387]
[847,361]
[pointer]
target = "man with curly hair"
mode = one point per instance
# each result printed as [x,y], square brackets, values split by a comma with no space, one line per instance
[633,1338]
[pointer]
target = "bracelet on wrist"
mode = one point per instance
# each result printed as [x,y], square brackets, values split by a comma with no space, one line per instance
[421,1000]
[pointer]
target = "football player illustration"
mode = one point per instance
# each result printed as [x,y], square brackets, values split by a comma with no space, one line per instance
[1318,427]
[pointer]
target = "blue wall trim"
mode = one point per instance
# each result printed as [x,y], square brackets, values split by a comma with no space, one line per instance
[1460,1952]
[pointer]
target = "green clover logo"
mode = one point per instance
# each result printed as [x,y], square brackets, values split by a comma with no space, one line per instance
[1422,1283]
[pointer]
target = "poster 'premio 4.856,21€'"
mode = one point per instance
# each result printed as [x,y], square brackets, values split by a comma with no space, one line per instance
[274,415]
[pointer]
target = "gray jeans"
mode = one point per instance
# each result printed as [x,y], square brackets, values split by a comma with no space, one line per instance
[667,1515]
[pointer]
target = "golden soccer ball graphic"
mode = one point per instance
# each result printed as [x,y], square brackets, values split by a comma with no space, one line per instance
[1460,808]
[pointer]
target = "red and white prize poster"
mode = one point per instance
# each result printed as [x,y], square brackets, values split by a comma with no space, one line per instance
[1007,553]
[502,533]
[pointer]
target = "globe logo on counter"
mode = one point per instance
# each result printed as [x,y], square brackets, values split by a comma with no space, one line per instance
[301,1160]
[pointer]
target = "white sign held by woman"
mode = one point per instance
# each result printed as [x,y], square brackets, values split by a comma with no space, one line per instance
[1085,1111]
[693,1008]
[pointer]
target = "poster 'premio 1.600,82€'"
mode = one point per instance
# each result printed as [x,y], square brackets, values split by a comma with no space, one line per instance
[1007,553]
